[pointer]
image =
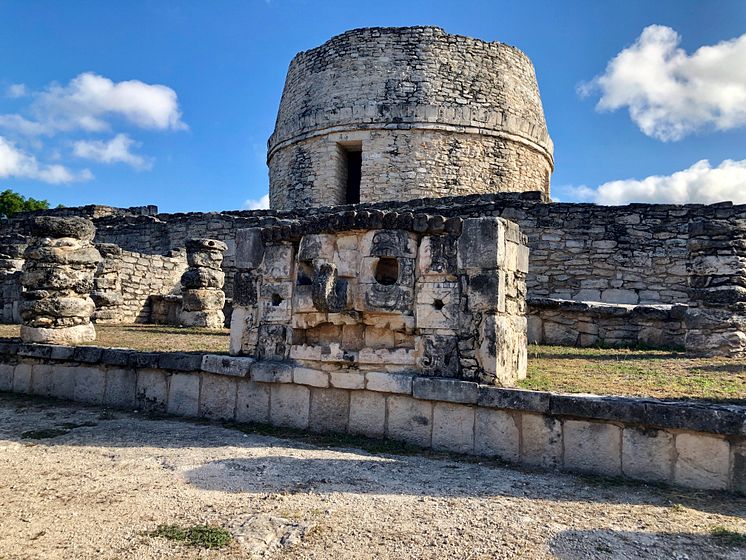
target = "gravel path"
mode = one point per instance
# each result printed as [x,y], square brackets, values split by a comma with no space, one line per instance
[98,489]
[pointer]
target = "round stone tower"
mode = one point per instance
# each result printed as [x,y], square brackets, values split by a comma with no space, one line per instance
[386,114]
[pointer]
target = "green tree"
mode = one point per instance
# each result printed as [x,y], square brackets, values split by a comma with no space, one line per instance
[11,202]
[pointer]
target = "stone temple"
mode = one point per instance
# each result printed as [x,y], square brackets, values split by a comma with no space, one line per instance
[392,114]
[419,138]
[410,255]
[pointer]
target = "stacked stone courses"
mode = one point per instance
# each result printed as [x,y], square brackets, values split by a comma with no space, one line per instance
[202,284]
[58,271]
[434,114]
[12,247]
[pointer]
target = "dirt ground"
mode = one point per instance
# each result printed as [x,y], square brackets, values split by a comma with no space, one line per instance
[81,482]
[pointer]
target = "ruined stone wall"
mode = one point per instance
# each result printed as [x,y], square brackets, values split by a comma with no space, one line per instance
[434,115]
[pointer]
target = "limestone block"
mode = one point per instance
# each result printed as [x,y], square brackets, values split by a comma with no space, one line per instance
[482,244]
[306,352]
[386,272]
[437,305]
[273,342]
[302,299]
[278,262]
[183,394]
[367,414]
[312,377]
[647,454]
[502,350]
[388,243]
[6,377]
[42,379]
[541,440]
[289,406]
[90,383]
[227,365]
[437,257]
[22,378]
[613,295]
[245,288]
[275,301]
[447,390]
[252,402]
[453,427]
[61,382]
[202,299]
[535,330]
[316,246]
[330,409]
[702,461]
[57,227]
[244,331]
[395,356]
[487,291]
[267,371]
[739,466]
[67,336]
[388,382]
[195,278]
[496,434]
[347,379]
[217,397]
[209,319]
[347,256]
[249,248]
[437,355]
[592,447]
[121,388]
[409,420]
[152,390]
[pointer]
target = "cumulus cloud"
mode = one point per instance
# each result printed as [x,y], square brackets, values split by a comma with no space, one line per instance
[257,204]
[116,150]
[701,183]
[17,163]
[23,126]
[669,93]
[87,100]
[16,90]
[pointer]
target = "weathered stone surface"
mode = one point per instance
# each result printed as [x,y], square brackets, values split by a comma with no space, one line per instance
[152,390]
[496,434]
[330,409]
[55,227]
[227,365]
[453,427]
[409,420]
[592,447]
[367,413]
[121,388]
[388,382]
[271,372]
[447,390]
[647,454]
[541,440]
[71,336]
[702,461]
[289,405]
[217,397]
[183,395]
[252,402]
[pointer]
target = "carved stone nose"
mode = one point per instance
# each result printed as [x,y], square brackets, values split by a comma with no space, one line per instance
[328,293]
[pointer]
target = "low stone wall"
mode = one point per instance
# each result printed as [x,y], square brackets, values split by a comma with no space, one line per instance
[692,445]
[578,323]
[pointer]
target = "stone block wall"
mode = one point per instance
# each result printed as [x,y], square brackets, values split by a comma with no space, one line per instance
[693,445]
[381,293]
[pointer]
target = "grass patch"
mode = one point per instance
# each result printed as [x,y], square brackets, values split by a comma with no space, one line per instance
[202,536]
[635,372]
[728,536]
[45,433]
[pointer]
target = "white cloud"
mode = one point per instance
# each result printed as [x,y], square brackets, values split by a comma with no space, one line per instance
[89,99]
[16,163]
[670,93]
[23,126]
[116,150]
[701,183]
[257,204]
[15,91]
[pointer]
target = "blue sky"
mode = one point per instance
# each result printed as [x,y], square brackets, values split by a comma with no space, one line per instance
[82,122]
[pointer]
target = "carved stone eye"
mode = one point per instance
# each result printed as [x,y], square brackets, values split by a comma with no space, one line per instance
[387,271]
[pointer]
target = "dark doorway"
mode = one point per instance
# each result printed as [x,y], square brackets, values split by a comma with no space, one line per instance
[354,172]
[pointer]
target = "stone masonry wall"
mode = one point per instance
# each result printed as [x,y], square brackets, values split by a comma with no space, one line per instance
[434,114]
[693,445]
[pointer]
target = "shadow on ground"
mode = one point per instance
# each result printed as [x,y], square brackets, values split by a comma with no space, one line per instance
[632,545]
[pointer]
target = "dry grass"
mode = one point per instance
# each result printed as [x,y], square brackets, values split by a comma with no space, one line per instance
[151,338]
[651,373]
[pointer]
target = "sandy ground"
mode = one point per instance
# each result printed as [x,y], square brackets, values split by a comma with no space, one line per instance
[96,492]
